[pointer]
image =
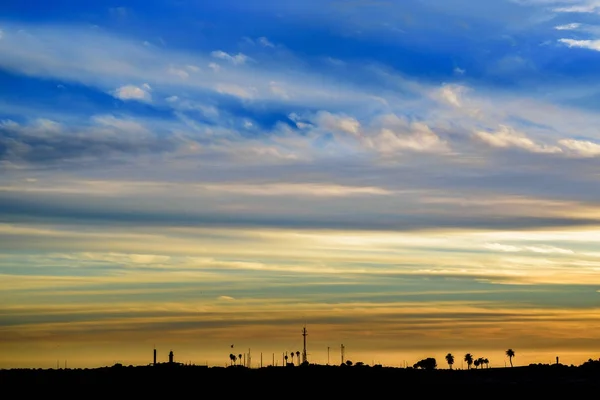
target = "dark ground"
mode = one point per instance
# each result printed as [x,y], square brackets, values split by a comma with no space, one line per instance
[552,381]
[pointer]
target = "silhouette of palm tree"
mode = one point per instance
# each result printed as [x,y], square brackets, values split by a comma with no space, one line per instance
[286,358]
[510,353]
[450,359]
[231,358]
[486,362]
[298,357]
[476,363]
[293,357]
[240,358]
[469,360]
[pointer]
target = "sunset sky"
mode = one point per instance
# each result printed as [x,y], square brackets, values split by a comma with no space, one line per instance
[407,178]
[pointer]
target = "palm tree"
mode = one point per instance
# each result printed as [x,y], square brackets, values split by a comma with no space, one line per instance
[286,358]
[476,362]
[240,358]
[298,357]
[231,358]
[469,360]
[510,353]
[450,359]
[292,358]
[486,362]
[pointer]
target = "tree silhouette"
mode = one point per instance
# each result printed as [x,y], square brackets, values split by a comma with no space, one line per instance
[510,353]
[292,358]
[231,358]
[476,363]
[298,357]
[486,362]
[450,359]
[428,363]
[240,358]
[349,363]
[234,359]
[469,360]
[286,358]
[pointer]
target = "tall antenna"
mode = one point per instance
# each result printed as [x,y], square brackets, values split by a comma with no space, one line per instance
[342,348]
[304,335]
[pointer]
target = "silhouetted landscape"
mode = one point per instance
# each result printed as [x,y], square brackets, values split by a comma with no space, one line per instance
[347,380]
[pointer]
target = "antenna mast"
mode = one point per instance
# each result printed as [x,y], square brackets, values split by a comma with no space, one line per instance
[304,335]
[342,348]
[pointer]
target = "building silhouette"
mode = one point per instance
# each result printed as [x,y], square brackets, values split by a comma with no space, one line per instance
[171,357]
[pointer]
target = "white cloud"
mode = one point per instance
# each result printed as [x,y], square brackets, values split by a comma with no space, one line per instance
[452,94]
[236,59]
[276,89]
[235,90]
[416,136]
[146,86]
[587,7]
[120,124]
[215,67]
[459,71]
[533,249]
[584,44]
[567,27]
[502,247]
[339,123]
[225,298]
[178,72]
[172,99]
[581,148]
[507,137]
[193,68]
[8,123]
[263,41]
[132,92]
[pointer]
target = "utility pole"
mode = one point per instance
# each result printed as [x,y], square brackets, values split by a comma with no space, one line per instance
[261,359]
[342,348]
[304,334]
[273,364]
[327,355]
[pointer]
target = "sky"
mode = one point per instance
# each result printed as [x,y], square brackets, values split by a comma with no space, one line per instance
[406,178]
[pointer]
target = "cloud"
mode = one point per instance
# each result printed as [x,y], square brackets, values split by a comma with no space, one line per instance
[172,99]
[263,41]
[225,298]
[178,72]
[236,90]
[586,6]
[48,142]
[567,27]
[132,92]
[237,59]
[507,137]
[214,66]
[583,44]
[581,148]
[338,123]
[452,93]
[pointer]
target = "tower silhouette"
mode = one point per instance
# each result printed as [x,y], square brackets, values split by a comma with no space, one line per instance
[304,335]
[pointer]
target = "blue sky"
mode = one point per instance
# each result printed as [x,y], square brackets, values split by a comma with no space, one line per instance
[352,164]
